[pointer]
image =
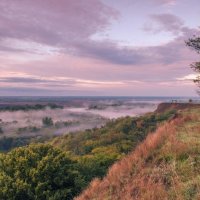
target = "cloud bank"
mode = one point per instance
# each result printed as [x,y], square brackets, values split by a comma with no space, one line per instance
[49,46]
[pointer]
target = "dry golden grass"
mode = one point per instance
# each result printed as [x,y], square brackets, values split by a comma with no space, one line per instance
[162,167]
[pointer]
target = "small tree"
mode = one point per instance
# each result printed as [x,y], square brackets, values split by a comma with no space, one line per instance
[47,121]
[194,43]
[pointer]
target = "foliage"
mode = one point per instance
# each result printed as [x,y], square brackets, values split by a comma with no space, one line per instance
[194,43]
[38,172]
[47,121]
[92,166]
[8,143]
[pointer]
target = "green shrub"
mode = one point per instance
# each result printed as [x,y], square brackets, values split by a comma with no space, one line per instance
[47,121]
[38,172]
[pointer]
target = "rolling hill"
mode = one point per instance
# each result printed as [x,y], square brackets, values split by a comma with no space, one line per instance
[164,166]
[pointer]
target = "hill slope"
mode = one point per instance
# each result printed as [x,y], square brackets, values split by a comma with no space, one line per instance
[97,149]
[164,166]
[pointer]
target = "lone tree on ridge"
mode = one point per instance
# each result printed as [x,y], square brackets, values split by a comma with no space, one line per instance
[194,43]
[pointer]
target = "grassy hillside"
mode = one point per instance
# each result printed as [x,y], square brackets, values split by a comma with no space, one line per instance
[165,166]
[97,149]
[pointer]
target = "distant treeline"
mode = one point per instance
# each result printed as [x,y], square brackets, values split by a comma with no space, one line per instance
[29,107]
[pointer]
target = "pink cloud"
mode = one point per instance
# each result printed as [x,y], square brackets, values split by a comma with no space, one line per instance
[50,40]
[53,22]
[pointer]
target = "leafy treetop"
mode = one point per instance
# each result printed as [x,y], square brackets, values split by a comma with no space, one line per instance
[38,171]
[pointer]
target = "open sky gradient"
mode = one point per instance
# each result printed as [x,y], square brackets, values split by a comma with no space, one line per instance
[97,47]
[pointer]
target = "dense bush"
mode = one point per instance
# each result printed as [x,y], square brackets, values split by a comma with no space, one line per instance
[8,143]
[38,172]
[47,121]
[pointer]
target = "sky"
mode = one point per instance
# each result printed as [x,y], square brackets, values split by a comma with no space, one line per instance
[97,47]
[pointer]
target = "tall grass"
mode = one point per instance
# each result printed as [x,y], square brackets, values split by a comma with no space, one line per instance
[154,170]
